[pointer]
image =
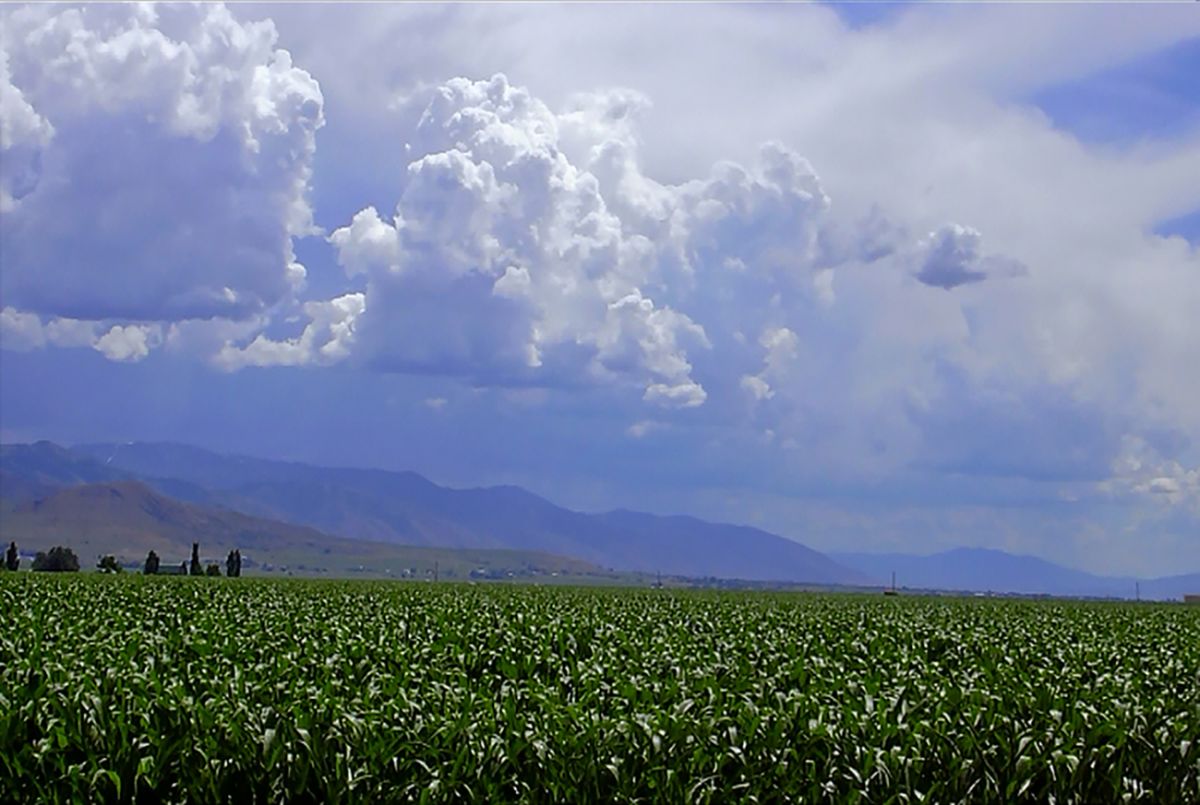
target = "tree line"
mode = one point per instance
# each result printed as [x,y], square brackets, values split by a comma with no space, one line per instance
[60,559]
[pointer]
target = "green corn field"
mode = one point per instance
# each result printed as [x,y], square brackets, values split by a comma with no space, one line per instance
[155,689]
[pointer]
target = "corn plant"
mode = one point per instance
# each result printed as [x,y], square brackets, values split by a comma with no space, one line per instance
[145,688]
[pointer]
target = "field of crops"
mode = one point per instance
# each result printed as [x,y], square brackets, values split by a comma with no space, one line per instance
[219,689]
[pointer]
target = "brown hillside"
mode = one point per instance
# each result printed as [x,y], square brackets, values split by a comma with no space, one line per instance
[128,519]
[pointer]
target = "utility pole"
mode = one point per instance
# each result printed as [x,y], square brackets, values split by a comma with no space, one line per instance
[1137,590]
[893,581]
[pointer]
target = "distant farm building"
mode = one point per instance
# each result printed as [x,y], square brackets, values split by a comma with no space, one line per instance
[1192,599]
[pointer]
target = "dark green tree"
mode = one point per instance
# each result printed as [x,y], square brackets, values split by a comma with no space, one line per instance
[213,569]
[108,564]
[195,569]
[57,560]
[151,567]
[12,561]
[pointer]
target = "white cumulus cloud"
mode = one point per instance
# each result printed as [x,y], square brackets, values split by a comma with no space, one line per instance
[1141,470]
[528,247]
[128,343]
[155,162]
[326,338]
[23,134]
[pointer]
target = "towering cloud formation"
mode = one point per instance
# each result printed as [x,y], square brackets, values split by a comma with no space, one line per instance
[528,247]
[155,163]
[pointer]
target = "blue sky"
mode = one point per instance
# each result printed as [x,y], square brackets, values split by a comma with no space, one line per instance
[902,277]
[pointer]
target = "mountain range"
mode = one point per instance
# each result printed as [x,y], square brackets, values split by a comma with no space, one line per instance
[402,508]
[133,496]
[129,519]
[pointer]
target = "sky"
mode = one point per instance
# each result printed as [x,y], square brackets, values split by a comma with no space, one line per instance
[885,277]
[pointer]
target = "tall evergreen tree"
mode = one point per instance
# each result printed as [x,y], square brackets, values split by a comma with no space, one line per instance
[195,568]
[57,560]
[12,561]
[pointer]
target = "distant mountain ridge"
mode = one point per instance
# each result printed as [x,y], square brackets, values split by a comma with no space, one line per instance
[985,569]
[128,519]
[404,508]
[132,513]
